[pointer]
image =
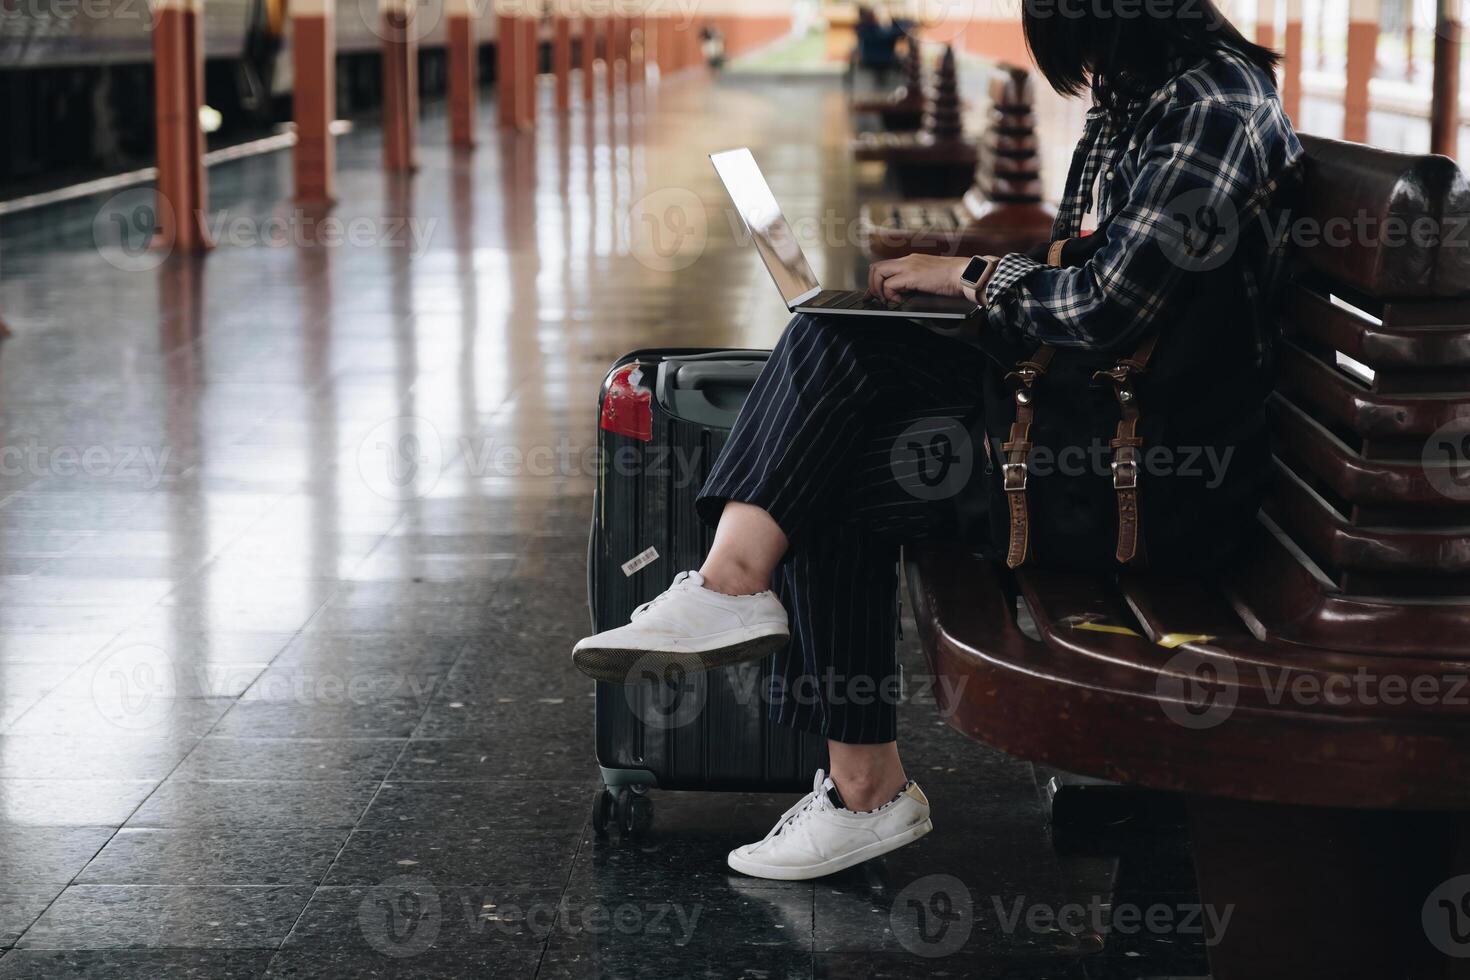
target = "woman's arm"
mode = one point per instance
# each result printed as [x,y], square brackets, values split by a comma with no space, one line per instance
[1203,178]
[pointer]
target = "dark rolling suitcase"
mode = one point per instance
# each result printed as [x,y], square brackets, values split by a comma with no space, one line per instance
[663,417]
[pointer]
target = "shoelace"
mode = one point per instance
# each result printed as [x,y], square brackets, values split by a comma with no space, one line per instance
[679,580]
[804,806]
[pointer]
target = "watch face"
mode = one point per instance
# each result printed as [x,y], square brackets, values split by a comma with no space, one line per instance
[974,270]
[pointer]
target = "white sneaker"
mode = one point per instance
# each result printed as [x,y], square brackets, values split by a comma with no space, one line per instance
[688,627]
[816,837]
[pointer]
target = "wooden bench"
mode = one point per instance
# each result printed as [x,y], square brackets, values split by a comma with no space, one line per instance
[902,110]
[1328,796]
[937,160]
[1002,211]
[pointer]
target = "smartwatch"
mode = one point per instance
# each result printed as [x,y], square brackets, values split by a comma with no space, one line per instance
[977,272]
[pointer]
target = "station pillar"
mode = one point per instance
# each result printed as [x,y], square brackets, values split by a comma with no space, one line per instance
[400,85]
[507,71]
[1362,56]
[314,98]
[1291,62]
[610,52]
[561,59]
[1444,109]
[589,59]
[528,51]
[464,72]
[178,61]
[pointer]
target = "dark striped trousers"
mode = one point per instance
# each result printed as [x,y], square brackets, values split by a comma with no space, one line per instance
[855,440]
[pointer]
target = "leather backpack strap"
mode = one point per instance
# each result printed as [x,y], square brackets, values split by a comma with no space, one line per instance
[1126,446]
[1017,450]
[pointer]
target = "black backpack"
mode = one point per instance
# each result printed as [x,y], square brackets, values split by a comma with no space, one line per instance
[1155,455]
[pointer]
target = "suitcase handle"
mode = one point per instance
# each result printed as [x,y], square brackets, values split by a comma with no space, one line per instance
[697,376]
[707,390]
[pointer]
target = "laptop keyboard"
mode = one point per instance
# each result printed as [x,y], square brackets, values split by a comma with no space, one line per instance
[854,299]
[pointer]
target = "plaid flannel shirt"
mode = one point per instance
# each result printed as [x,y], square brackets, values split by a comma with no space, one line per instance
[1183,184]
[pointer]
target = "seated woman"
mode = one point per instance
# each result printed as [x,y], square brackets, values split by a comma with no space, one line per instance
[815,489]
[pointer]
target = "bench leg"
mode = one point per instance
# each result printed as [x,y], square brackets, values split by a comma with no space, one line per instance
[1347,894]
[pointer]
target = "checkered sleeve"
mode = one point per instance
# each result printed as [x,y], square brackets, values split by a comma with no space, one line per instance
[1204,170]
[1010,270]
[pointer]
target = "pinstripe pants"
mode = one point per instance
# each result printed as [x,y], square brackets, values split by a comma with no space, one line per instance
[855,440]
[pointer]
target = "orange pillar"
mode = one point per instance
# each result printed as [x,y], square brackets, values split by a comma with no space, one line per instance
[400,85]
[314,97]
[610,51]
[651,38]
[529,53]
[635,49]
[178,63]
[669,37]
[1291,63]
[589,58]
[507,71]
[561,59]
[1444,110]
[1362,50]
[464,72]
[1266,23]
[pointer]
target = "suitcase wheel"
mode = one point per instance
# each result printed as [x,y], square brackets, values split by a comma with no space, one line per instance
[602,811]
[635,813]
[629,809]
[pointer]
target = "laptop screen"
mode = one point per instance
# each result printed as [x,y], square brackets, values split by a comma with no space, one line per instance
[768,228]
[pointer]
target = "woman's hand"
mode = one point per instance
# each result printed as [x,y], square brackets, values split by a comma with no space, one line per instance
[890,279]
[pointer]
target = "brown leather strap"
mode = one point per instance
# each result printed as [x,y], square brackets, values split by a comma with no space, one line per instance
[1126,447]
[1017,450]
[1054,253]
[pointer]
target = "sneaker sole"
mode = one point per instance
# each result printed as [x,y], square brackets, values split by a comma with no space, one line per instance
[832,865]
[615,665]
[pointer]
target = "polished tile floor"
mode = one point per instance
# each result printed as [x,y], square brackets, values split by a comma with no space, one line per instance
[291,551]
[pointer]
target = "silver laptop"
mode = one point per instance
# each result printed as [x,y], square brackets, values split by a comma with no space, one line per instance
[788,266]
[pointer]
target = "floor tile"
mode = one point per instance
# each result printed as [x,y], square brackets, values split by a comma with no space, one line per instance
[143,670]
[615,962]
[70,802]
[345,683]
[495,757]
[461,711]
[453,856]
[320,714]
[47,855]
[489,963]
[254,803]
[21,905]
[89,757]
[960,966]
[119,711]
[32,680]
[707,917]
[51,648]
[337,759]
[232,856]
[408,915]
[372,649]
[519,805]
[124,916]
[134,964]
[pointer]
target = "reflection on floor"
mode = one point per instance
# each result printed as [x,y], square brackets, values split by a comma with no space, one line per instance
[292,550]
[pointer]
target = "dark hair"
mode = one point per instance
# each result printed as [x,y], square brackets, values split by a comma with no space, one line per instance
[1128,46]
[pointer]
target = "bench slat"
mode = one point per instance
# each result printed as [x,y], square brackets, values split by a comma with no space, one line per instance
[1095,706]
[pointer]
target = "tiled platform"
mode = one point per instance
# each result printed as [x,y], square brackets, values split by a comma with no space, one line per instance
[292,549]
